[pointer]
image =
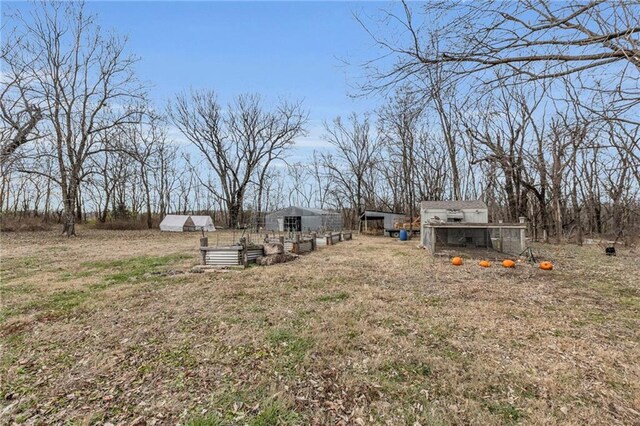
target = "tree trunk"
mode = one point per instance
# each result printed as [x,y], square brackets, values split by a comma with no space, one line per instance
[234,214]
[69,218]
[78,206]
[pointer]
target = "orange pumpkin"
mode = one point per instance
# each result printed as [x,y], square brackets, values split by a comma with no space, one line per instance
[508,263]
[485,263]
[457,261]
[546,266]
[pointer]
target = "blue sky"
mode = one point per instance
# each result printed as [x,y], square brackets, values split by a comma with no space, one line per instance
[278,49]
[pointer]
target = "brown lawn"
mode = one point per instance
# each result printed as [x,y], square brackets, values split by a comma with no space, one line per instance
[111,327]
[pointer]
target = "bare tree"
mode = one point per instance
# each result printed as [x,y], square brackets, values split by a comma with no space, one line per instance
[238,143]
[401,130]
[352,166]
[527,41]
[19,113]
[83,81]
[146,139]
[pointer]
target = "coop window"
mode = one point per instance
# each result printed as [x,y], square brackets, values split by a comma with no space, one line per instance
[292,224]
[455,216]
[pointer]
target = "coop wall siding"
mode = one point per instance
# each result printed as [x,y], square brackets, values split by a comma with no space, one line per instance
[470,215]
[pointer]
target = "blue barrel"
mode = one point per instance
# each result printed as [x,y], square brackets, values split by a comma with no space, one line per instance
[404,236]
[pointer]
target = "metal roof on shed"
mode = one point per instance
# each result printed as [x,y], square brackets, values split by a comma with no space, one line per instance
[376,213]
[301,211]
[454,205]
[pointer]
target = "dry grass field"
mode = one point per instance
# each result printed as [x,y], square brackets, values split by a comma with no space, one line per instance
[111,327]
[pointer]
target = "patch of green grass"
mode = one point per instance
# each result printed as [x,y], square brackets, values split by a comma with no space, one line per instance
[25,262]
[140,262]
[336,297]
[5,313]
[452,353]
[135,268]
[631,302]
[434,301]
[231,401]
[398,371]
[275,413]
[209,420]
[65,301]
[292,346]
[181,356]
[509,413]
[22,267]
[21,384]
[13,346]
[98,286]
[123,270]
[61,303]
[122,277]
[628,291]
[68,275]
[597,317]
[16,289]
[58,304]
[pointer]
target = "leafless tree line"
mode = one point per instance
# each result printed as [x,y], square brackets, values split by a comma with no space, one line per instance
[536,116]
[535,103]
[78,130]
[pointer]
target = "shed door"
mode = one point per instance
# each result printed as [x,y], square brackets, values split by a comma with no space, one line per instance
[292,224]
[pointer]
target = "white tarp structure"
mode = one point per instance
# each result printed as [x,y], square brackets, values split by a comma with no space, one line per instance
[186,223]
[177,223]
[203,222]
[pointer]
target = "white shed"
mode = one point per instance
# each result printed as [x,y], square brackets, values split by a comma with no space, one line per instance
[203,222]
[177,223]
[470,211]
[464,225]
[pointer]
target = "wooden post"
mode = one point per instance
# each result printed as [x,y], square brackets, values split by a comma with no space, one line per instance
[523,236]
[432,241]
[245,258]
[204,242]
[313,241]
[295,247]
